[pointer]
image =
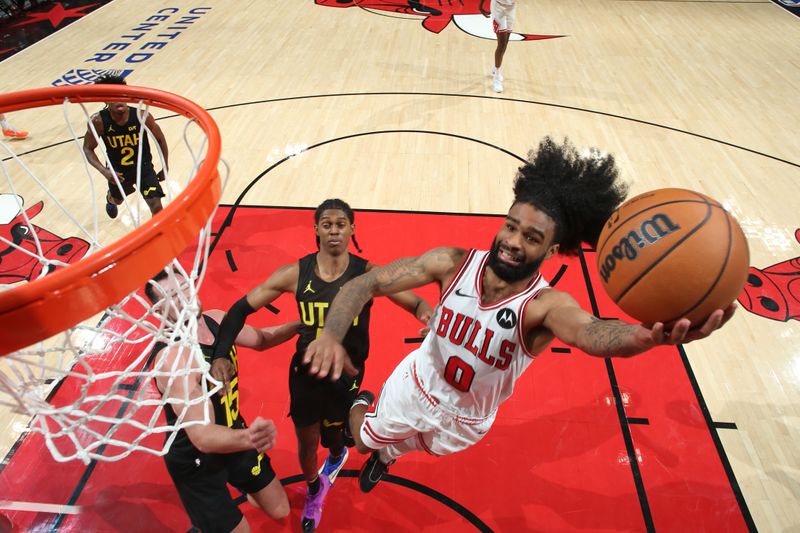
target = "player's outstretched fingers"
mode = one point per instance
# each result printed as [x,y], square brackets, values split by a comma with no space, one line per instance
[340,362]
[679,331]
[348,366]
[712,323]
[729,311]
[657,334]
[311,349]
[320,364]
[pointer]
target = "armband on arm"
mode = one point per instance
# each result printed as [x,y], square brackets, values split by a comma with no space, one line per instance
[230,327]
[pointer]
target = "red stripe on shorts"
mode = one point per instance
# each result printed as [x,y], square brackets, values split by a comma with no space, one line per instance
[377,438]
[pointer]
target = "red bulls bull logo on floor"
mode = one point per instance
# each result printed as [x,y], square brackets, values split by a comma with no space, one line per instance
[774,292]
[436,15]
[19,250]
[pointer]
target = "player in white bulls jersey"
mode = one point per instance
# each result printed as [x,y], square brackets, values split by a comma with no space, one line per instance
[495,314]
[467,331]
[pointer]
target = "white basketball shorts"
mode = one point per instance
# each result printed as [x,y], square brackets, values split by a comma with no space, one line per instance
[503,15]
[404,412]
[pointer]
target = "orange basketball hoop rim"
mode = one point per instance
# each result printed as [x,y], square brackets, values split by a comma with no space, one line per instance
[44,307]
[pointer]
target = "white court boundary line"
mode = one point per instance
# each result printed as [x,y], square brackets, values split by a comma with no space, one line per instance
[35,507]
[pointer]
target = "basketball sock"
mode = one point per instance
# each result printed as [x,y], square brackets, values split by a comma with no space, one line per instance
[385,456]
[336,456]
[313,487]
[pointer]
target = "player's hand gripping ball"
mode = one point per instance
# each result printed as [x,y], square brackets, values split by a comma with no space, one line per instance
[672,253]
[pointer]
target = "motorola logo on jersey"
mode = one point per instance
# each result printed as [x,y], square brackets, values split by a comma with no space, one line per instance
[506,318]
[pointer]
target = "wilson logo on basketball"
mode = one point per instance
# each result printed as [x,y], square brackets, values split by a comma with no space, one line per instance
[650,232]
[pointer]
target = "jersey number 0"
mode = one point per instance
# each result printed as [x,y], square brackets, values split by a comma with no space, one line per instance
[459,373]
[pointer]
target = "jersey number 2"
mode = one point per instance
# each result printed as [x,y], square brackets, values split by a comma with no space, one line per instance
[458,373]
[127,156]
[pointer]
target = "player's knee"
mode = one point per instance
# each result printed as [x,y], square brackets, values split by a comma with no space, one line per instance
[273,502]
[280,511]
[330,437]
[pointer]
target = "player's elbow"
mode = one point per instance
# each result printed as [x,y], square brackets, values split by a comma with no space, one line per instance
[267,340]
[200,439]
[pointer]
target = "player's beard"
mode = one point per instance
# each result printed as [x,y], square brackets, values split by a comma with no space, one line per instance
[509,273]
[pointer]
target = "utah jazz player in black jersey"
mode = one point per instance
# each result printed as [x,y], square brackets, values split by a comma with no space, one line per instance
[121,131]
[319,408]
[203,459]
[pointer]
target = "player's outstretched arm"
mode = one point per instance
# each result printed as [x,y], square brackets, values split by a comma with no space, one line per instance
[272,336]
[282,280]
[616,338]
[326,355]
[259,338]
[409,301]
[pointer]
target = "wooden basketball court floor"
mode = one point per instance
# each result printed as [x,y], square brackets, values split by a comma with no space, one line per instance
[391,108]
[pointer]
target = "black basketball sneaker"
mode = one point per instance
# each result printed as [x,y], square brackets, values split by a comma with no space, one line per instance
[372,472]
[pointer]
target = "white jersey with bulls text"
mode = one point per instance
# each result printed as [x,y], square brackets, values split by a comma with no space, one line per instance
[474,353]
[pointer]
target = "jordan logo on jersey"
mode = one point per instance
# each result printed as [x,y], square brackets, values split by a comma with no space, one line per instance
[308,288]
[464,331]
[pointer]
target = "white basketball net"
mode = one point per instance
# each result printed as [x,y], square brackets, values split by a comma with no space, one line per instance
[90,391]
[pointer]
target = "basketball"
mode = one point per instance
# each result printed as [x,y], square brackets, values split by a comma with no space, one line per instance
[672,253]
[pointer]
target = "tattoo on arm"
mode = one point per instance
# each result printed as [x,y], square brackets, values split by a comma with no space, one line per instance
[398,271]
[400,275]
[610,337]
[348,303]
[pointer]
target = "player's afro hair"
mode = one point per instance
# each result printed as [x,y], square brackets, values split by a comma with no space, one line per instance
[578,191]
[110,79]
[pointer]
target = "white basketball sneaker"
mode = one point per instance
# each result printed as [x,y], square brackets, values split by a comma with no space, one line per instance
[497,84]
[497,74]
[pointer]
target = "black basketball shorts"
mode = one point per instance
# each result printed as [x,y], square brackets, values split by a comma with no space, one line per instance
[321,400]
[151,187]
[202,485]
